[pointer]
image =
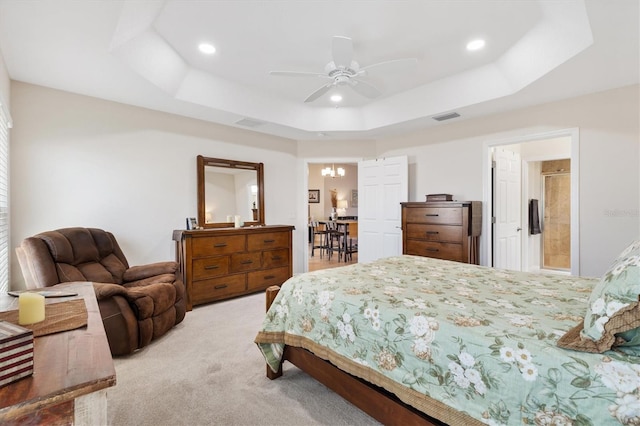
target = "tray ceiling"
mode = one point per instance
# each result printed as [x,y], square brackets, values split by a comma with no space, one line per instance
[145,53]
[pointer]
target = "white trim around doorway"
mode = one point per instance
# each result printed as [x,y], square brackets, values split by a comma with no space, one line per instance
[574,135]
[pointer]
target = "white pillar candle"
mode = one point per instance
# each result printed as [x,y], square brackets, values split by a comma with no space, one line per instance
[238,222]
[30,308]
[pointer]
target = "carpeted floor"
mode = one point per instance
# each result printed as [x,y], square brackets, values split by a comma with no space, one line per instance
[208,371]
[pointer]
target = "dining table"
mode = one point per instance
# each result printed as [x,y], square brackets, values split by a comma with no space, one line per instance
[350,232]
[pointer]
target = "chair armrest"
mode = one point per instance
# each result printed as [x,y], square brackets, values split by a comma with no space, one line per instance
[151,300]
[107,290]
[141,272]
[146,301]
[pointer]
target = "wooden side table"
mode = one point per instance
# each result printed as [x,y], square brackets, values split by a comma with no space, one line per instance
[72,371]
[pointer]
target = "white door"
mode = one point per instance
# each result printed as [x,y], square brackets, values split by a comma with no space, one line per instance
[382,185]
[506,210]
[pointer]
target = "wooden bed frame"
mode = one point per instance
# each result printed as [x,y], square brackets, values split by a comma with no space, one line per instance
[373,400]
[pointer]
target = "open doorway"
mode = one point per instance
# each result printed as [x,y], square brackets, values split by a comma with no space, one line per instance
[333,194]
[528,252]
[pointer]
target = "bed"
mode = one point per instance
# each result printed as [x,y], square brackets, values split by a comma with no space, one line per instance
[436,342]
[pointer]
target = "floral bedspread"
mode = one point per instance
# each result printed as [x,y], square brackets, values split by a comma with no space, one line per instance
[477,339]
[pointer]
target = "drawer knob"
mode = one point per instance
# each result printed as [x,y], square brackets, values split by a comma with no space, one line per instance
[212,267]
[246,262]
[269,277]
[269,241]
[433,232]
[220,287]
[220,245]
[276,257]
[433,249]
[432,214]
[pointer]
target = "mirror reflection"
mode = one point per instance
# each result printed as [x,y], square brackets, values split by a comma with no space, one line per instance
[229,192]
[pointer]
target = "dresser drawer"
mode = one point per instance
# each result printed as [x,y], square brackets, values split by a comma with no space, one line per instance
[436,250]
[435,215]
[448,233]
[269,240]
[218,288]
[223,244]
[246,261]
[275,258]
[260,280]
[210,267]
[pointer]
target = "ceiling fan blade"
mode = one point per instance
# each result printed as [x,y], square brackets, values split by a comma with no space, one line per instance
[342,49]
[390,66]
[364,88]
[321,91]
[297,74]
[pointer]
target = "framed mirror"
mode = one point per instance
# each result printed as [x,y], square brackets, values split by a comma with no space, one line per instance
[228,188]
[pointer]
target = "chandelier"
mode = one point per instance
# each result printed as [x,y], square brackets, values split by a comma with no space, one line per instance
[332,171]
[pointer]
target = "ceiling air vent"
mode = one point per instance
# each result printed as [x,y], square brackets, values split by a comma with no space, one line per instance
[247,122]
[447,116]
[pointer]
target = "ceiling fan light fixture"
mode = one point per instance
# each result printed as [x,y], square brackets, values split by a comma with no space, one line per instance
[476,44]
[207,48]
[343,70]
[336,98]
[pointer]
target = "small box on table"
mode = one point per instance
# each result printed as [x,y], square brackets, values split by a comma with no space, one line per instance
[439,197]
[16,352]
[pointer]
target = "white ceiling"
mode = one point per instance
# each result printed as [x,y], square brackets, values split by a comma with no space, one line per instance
[145,53]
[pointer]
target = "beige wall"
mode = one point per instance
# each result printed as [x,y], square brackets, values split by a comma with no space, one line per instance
[81,161]
[449,159]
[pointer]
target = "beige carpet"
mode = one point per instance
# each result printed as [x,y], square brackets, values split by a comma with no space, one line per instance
[208,371]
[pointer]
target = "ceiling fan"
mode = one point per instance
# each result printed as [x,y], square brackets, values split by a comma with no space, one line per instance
[344,71]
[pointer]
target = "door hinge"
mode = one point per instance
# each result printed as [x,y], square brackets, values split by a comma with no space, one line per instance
[493,219]
[493,164]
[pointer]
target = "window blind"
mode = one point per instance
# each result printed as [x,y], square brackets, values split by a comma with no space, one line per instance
[5,124]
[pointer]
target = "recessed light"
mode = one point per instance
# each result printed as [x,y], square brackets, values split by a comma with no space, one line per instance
[336,98]
[207,48]
[475,44]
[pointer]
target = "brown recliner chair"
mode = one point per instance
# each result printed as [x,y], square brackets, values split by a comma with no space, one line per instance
[137,304]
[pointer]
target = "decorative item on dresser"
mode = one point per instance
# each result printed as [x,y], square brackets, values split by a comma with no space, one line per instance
[439,197]
[444,230]
[222,263]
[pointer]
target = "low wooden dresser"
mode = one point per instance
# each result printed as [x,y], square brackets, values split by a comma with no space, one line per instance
[71,371]
[220,263]
[444,230]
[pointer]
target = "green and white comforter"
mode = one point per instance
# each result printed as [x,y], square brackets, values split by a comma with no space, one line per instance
[479,340]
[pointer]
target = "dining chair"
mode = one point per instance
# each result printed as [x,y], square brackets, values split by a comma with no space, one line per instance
[351,243]
[335,233]
[318,230]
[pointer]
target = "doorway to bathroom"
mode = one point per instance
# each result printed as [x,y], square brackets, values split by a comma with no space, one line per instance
[524,245]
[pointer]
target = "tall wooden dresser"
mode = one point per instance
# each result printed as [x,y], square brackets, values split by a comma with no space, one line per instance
[444,230]
[222,263]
